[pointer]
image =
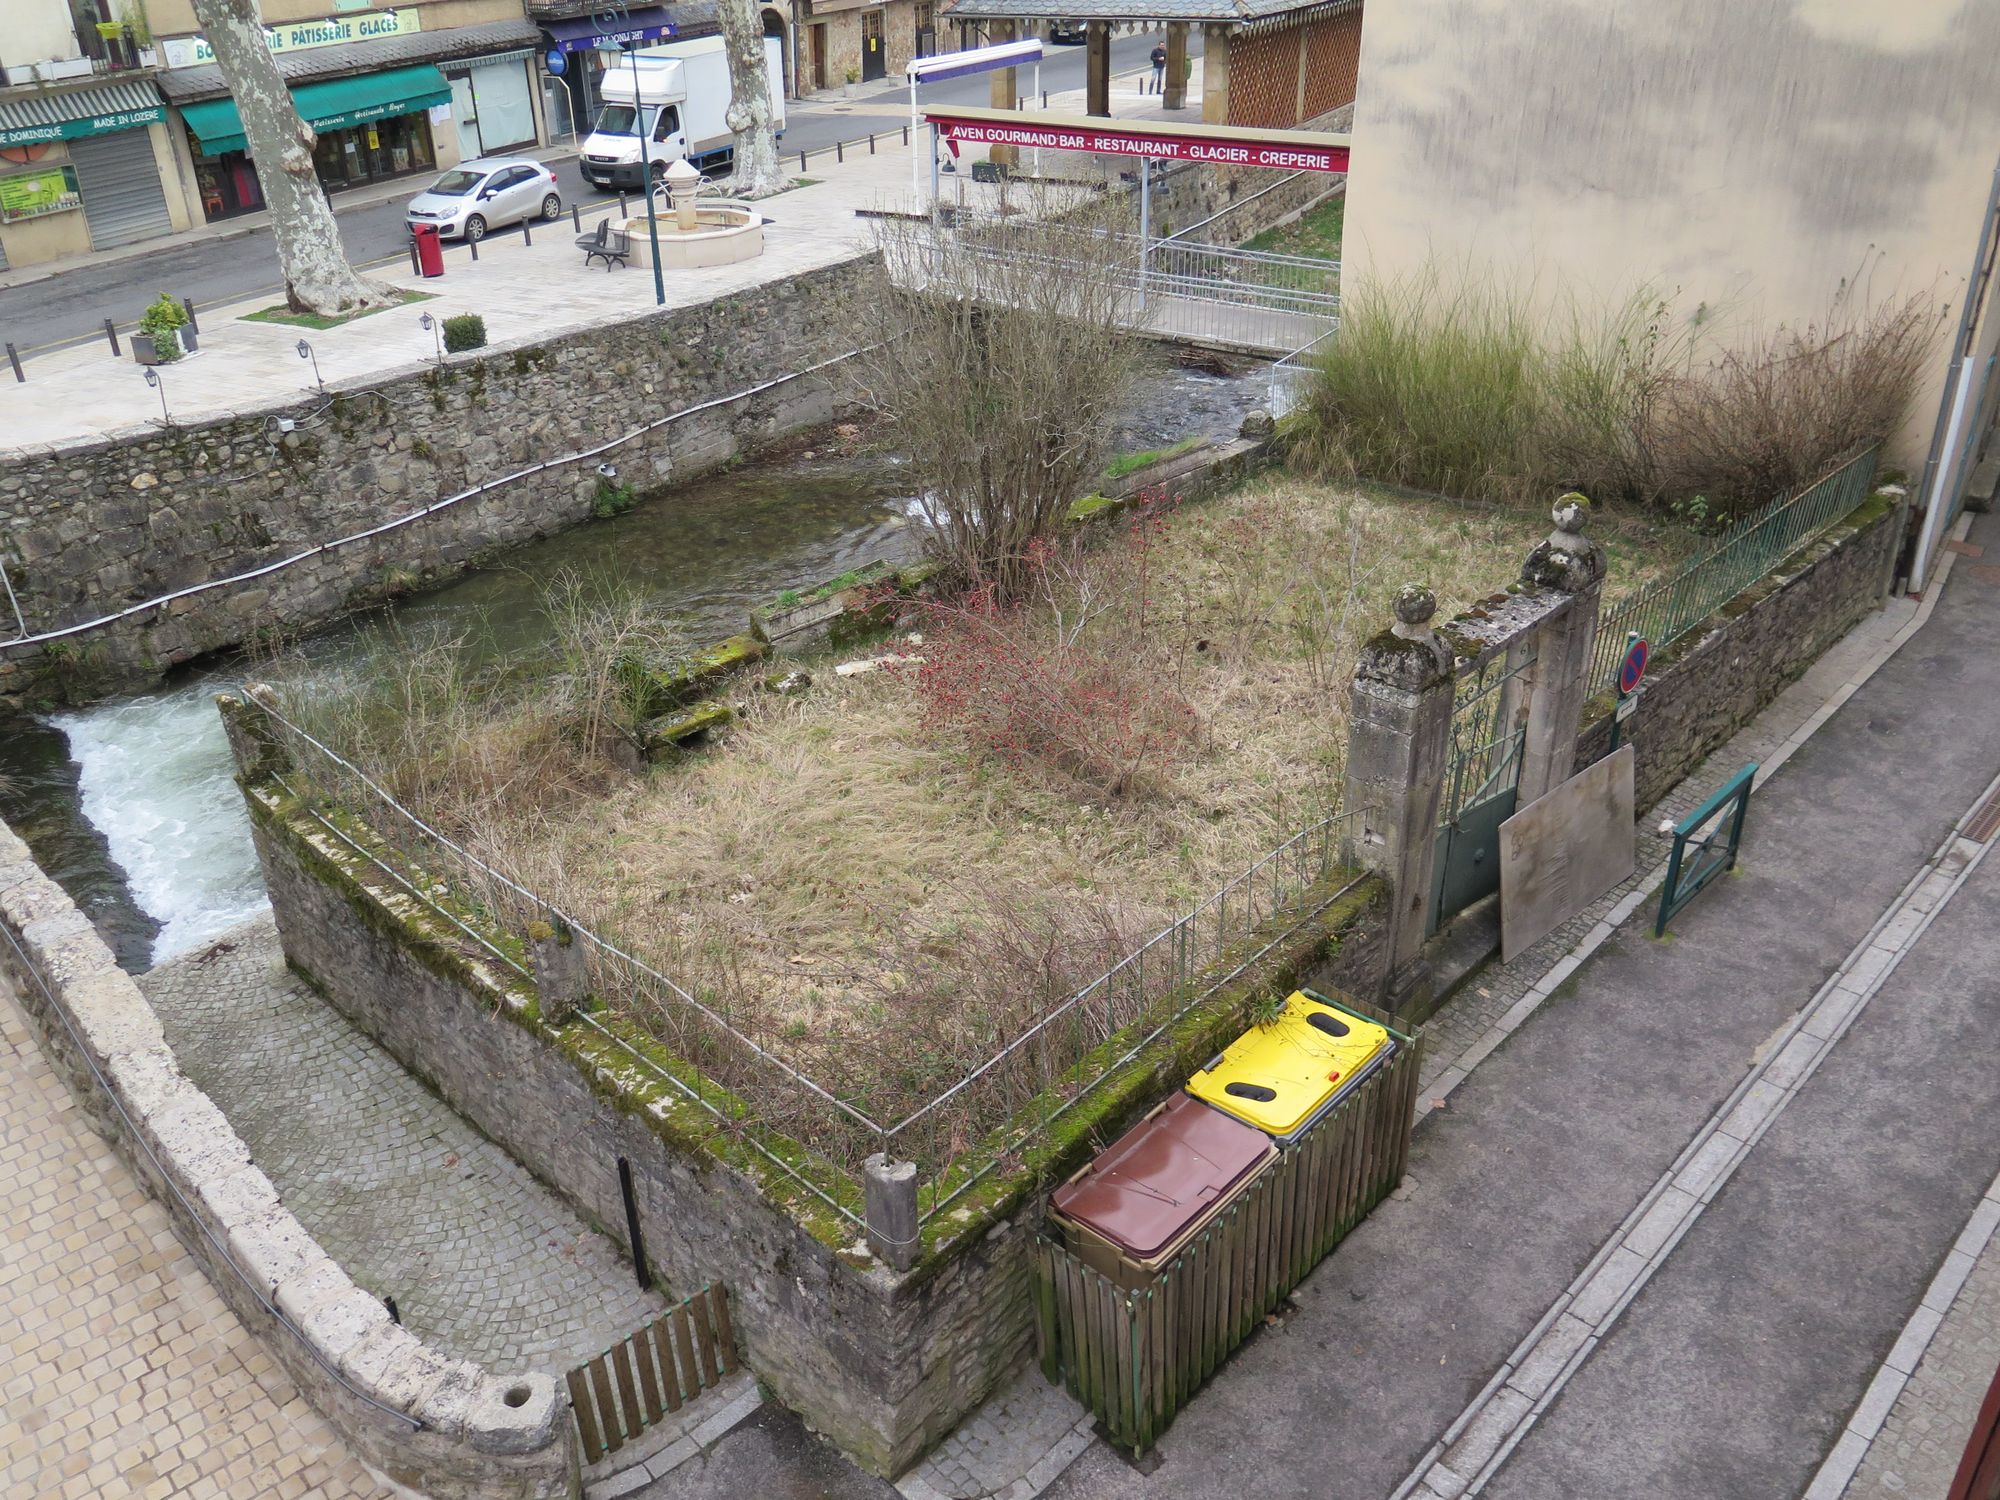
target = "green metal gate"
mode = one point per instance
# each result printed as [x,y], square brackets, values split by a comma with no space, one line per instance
[1482,777]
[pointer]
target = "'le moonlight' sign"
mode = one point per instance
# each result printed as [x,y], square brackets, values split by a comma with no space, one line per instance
[1291,150]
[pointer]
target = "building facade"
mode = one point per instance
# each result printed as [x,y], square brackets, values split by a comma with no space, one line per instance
[86,153]
[391,91]
[1754,159]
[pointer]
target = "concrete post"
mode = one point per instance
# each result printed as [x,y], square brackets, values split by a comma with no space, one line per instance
[560,975]
[1215,73]
[891,1210]
[1398,741]
[1097,68]
[1569,561]
[1174,95]
[1003,92]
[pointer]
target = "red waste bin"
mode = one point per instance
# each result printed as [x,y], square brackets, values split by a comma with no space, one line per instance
[430,251]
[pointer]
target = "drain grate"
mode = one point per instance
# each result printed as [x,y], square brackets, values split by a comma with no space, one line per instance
[1986,821]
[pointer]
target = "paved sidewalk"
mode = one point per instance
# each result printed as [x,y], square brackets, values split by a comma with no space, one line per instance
[1546,1149]
[1916,1453]
[526,293]
[122,1372]
[482,1260]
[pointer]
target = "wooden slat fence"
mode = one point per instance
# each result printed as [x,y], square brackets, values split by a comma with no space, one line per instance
[620,1393]
[1134,1358]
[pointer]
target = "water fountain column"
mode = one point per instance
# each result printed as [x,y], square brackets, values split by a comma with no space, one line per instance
[683,183]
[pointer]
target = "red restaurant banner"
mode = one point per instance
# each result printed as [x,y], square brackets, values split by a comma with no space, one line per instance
[1273,151]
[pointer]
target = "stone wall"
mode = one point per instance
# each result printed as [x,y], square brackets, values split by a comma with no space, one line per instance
[884,1364]
[471,1433]
[92,528]
[1710,684]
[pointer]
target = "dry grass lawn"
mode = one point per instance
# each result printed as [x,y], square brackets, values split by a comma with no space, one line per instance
[835,863]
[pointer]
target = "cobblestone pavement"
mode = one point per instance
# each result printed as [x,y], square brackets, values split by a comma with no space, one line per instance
[122,1372]
[1918,1449]
[1025,1435]
[415,1203]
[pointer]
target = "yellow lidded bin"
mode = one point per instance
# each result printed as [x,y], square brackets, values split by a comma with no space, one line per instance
[1281,1077]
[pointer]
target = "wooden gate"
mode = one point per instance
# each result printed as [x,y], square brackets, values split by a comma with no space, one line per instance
[623,1391]
[1134,1358]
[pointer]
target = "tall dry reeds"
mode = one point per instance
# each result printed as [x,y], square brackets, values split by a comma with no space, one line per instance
[1450,381]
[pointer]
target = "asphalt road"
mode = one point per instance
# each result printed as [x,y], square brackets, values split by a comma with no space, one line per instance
[71,307]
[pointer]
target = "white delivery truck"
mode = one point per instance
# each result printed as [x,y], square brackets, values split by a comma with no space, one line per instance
[665,103]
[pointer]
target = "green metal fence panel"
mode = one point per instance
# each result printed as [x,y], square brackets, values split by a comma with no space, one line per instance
[1669,609]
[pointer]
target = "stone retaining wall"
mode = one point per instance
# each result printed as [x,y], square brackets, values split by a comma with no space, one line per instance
[1716,679]
[87,529]
[884,1364]
[481,1436]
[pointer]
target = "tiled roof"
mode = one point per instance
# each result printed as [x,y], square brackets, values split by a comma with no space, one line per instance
[185,85]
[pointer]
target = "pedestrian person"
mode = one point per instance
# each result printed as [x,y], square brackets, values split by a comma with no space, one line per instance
[1159,66]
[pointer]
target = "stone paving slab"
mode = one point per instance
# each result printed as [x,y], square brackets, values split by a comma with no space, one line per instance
[122,1371]
[481,1259]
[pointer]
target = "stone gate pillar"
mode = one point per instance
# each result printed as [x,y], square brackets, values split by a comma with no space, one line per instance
[1573,563]
[1398,741]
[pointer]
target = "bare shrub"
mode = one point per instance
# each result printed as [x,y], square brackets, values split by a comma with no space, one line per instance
[1003,387]
[1076,679]
[1753,421]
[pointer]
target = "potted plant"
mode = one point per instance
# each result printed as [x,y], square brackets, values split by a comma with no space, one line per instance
[162,336]
[853,77]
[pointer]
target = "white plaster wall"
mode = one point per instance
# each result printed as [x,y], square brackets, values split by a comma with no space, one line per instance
[1745,155]
[38,31]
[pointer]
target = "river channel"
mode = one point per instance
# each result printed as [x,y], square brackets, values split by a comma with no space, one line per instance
[130,803]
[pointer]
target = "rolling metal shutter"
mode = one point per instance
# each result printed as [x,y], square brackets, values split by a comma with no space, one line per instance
[122,197]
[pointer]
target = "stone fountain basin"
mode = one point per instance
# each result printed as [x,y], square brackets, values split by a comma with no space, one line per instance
[726,231]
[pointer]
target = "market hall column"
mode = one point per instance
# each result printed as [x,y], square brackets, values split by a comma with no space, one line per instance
[1097,65]
[1174,95]
[1214,74]
[1004,93]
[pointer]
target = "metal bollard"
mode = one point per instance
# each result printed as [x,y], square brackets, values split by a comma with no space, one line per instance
[576,217]
[416,266]
[623,211]
[839,154]
[1045,98]
[526,238]
[14,359]
[193,323]
[802,161]
[906,135]
[111,332]
[473,246]
[871,145]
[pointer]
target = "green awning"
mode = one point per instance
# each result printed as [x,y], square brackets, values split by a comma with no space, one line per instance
[333,105]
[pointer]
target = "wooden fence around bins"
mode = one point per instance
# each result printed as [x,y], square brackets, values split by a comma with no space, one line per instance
[659,1368]
[1134,1358]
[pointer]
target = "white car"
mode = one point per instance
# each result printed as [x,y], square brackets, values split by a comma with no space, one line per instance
[484,194]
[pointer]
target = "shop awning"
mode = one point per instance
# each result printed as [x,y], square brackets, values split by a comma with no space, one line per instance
[81,112]
[645,23]
[332,105]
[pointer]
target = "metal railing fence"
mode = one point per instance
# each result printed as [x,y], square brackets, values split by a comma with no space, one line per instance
[766,1103]
[1665,611]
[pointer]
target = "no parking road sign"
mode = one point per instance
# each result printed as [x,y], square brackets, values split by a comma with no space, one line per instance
[1633,667]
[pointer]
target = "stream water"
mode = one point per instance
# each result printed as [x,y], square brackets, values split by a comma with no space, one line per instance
[130,803]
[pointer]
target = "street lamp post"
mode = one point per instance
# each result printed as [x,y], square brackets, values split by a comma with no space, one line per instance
[646,177]
[153,380]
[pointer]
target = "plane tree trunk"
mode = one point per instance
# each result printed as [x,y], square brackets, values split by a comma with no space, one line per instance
[318,278]
[750,115]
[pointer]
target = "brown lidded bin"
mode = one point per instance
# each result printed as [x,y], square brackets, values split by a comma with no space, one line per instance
[1131,1210]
